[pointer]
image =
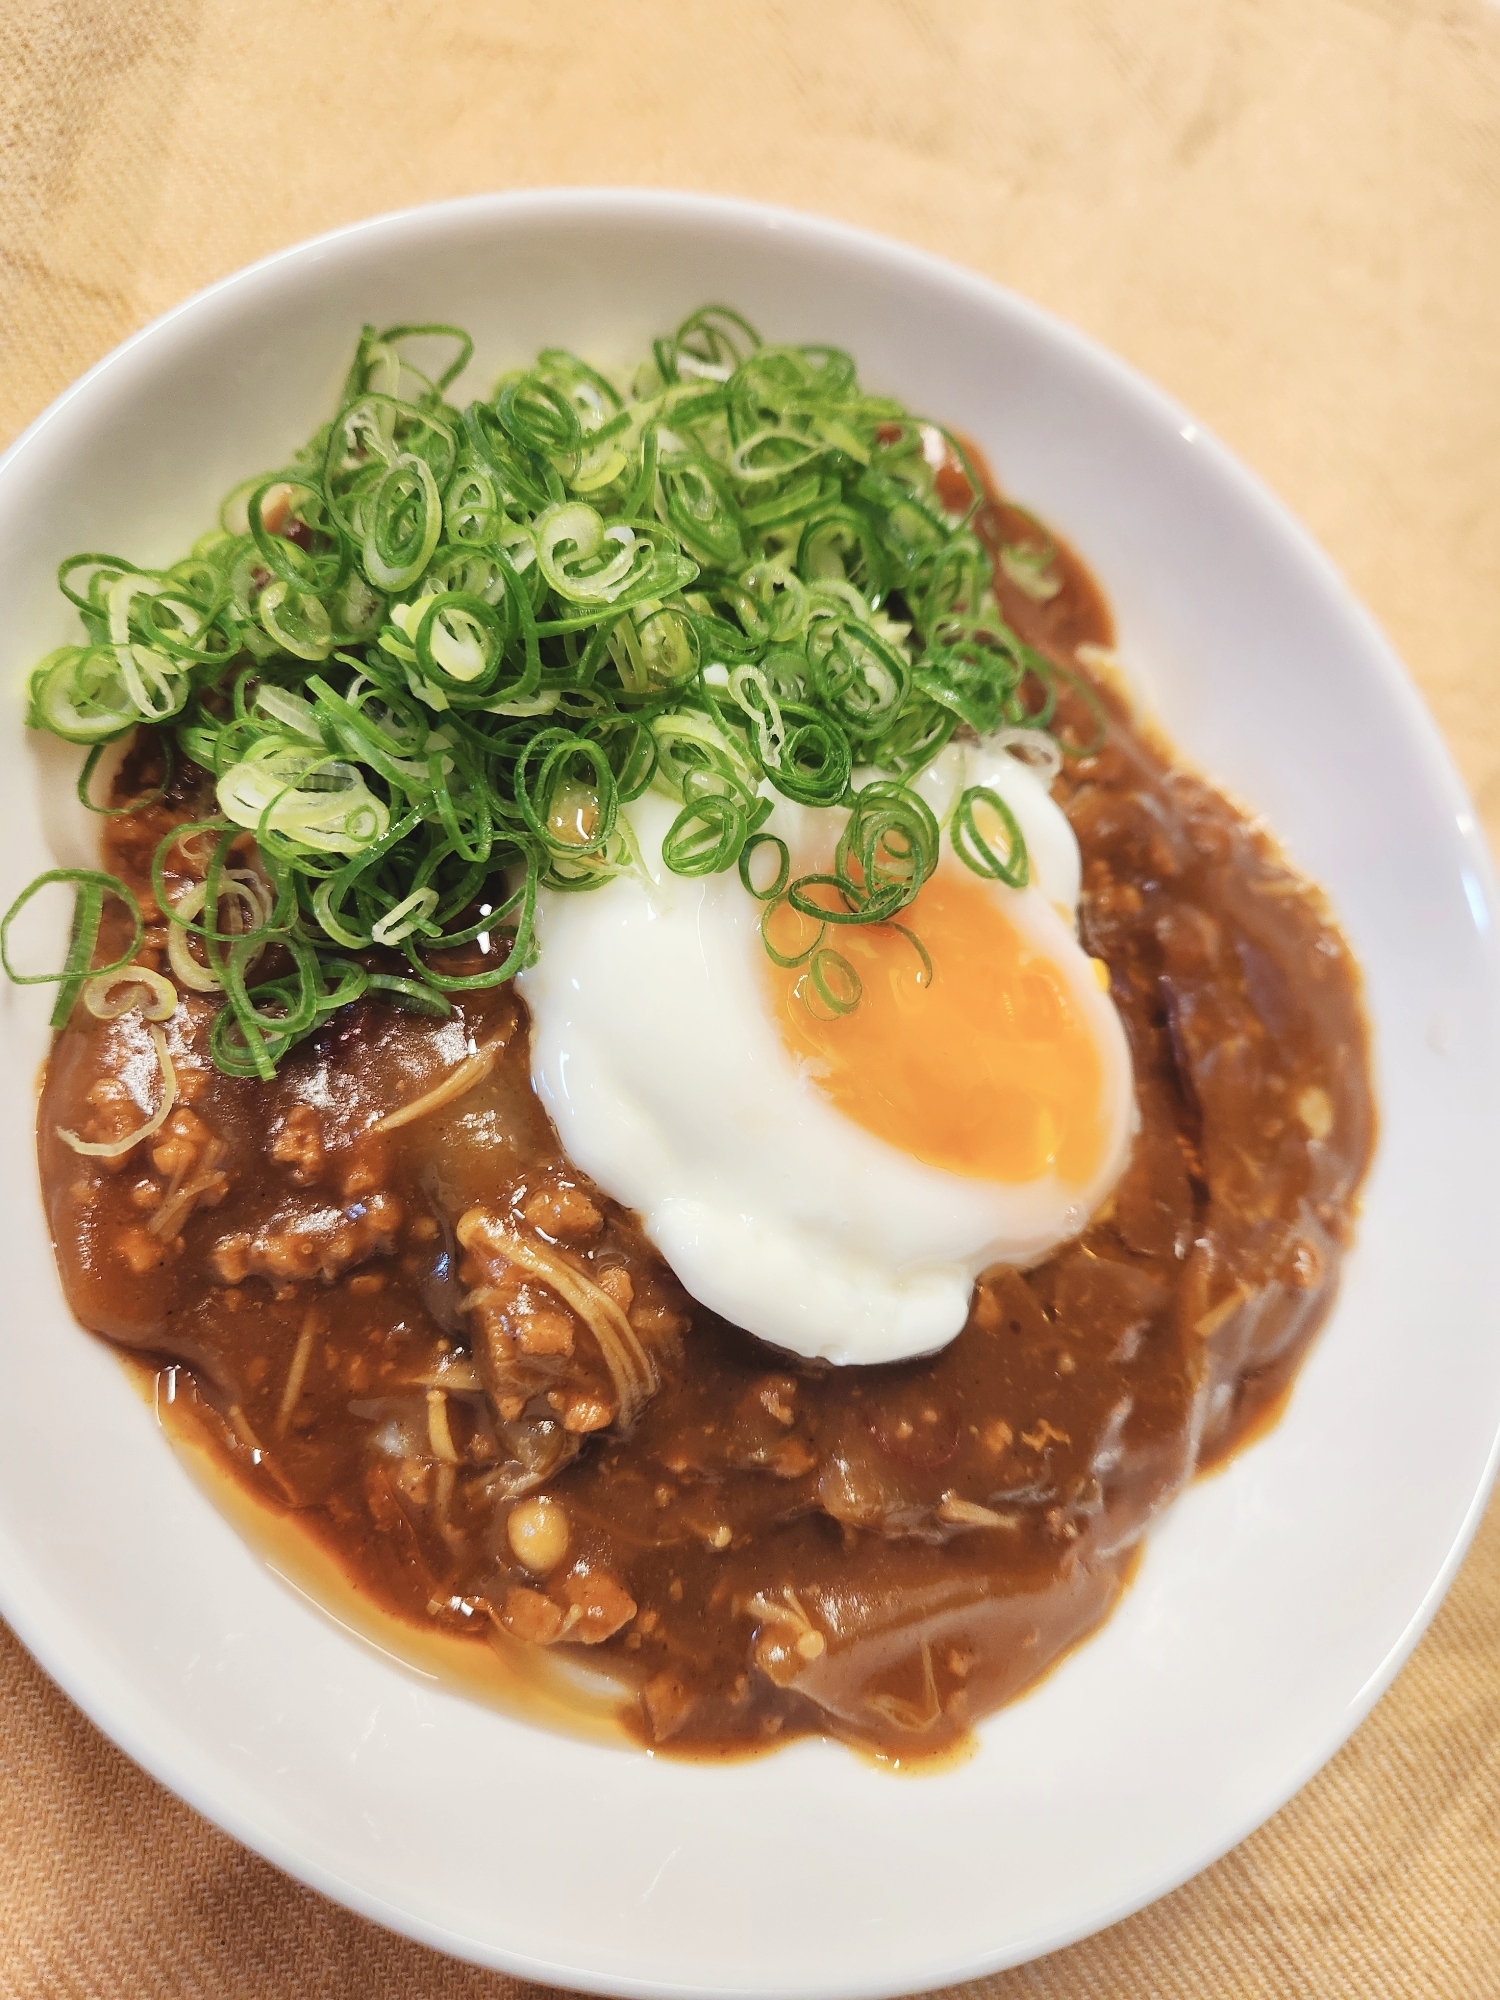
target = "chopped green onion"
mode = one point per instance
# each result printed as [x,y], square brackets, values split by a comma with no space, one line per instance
[88,909]
[830,985]
[427,661]
[776,887]
[1011,864]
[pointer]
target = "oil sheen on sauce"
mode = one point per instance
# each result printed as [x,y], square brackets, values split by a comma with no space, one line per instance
[389,1405]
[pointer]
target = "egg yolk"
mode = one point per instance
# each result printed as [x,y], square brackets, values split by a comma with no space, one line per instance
[987,1069]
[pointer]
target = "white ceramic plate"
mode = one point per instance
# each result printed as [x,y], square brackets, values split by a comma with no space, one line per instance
[1275,1603]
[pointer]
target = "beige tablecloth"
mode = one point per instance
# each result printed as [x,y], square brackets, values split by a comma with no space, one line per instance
[1286,211]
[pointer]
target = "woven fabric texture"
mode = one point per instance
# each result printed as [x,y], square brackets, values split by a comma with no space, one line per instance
[1285,211]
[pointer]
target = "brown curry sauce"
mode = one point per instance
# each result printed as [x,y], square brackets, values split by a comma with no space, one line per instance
[773,1548]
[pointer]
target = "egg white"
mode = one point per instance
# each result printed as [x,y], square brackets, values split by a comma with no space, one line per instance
[655,1052]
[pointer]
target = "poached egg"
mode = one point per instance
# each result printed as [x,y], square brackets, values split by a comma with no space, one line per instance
[835,1185]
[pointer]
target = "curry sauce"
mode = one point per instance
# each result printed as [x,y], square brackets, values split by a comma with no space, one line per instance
[397,1315]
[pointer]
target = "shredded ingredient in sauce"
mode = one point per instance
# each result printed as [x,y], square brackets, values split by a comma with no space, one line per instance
[396,1313]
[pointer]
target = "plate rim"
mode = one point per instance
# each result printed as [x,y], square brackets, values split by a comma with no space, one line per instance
[95,1687]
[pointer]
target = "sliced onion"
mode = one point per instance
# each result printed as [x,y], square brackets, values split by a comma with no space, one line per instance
[247,889]
[1034,748]
[189,972]
[129,983]
[116,1148]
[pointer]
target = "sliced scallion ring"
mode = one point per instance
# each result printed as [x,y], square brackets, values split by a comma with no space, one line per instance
[428,662]
[1006,863]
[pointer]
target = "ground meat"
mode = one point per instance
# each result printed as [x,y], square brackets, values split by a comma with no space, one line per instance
[311,1243]
[481,1389]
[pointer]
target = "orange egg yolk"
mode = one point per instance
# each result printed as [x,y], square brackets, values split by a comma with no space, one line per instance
[986,1069]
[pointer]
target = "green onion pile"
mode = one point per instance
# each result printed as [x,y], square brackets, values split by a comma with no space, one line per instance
[428,661]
